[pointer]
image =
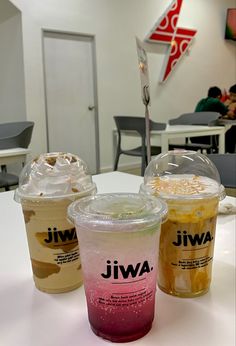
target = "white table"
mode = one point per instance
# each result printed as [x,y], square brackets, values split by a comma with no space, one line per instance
[29,317]
[8,156]
[162,138]
[227,122]
[185,131]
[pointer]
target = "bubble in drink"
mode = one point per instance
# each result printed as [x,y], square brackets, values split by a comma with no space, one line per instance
[118,239]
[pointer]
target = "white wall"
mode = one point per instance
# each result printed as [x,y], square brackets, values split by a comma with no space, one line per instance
[12,88]
[115,23]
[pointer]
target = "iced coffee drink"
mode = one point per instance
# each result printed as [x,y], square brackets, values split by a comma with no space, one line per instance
[187,237]
[47,186]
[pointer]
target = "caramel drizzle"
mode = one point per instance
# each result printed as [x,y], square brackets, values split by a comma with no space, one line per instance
[178,187]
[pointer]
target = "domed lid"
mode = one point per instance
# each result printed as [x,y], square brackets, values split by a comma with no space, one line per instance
[118,211]
[182,174]
[54,175]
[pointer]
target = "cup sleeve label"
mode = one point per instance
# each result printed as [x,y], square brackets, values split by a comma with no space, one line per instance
[132,298]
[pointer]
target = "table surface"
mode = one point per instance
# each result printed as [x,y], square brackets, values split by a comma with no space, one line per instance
[185,131]
[162,137]
[190,128]
[9,156]
[29,317]
[176,129]
[14,152]
[225,121]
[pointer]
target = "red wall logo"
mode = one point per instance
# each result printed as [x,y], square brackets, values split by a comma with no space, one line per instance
[166,31]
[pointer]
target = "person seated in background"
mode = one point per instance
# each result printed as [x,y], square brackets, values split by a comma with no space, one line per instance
[230,140]
[212,102]
[231,103]
[230,136]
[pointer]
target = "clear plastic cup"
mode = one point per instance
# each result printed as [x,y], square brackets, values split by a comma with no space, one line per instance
[47,185]
[190,184]
[118,242]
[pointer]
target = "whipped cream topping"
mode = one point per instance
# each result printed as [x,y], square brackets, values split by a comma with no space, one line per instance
[183,185]
[55,174]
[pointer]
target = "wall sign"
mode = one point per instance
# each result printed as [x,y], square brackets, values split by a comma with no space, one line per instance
[166,31]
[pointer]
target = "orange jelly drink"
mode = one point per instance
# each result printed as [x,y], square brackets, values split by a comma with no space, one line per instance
[186,247]
[187,238]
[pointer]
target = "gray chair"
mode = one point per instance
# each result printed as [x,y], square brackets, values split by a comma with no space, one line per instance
[226,165]
[7,179]
[16,134]
[208,143]
[136,125]
[13,135]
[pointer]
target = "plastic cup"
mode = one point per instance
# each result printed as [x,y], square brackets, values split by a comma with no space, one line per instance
[118,242]
[190,184]
[47,185]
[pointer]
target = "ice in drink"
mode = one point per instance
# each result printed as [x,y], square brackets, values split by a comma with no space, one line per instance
[48,184]
[118,242]
[187,237]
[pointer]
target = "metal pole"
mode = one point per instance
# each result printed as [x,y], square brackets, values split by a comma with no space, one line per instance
[146,100]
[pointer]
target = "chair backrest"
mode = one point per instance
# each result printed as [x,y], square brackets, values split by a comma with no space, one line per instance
[16,134]
[226,165]
[130,123]
[196,118]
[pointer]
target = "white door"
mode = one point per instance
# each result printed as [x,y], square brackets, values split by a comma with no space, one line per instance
[70,94]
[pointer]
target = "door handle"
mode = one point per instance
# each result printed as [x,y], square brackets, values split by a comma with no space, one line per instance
[91,108]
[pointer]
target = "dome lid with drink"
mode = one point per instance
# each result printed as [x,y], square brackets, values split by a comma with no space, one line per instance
[181,173]
[54,175]
[120,210]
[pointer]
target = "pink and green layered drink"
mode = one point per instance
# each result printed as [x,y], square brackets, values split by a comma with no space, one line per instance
[118,242]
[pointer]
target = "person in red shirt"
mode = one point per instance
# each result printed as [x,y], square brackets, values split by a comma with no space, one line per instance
[231,103]
[230,136]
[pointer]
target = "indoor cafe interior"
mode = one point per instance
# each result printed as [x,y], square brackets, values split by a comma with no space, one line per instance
[126,92]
